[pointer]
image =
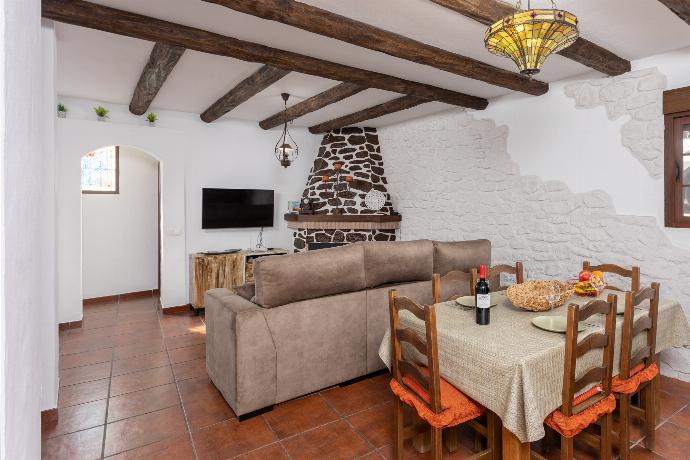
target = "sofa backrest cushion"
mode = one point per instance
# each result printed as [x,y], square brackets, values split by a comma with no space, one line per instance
[397,261]
[461,255]
[285,279]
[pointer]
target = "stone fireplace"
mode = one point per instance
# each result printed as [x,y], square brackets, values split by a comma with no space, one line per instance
[359,153]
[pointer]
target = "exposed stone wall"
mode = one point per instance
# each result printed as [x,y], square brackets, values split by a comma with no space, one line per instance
[304,237]
[359,152]
[637,95]
[453,179]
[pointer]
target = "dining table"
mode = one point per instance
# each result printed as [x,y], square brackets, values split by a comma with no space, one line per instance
[514,368]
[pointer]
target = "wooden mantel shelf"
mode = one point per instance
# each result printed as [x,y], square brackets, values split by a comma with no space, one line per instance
[343,221]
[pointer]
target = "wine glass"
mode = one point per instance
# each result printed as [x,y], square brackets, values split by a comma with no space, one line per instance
[553,295]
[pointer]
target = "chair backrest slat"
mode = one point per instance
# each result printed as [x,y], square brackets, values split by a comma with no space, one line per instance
[632,273]
[573,350]
[593,375]
[591,342]
[632,328]
[401,365]
[454,278]
[408,336]
[518,270]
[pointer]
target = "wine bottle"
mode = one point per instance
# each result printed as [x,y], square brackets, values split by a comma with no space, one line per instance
[482,298]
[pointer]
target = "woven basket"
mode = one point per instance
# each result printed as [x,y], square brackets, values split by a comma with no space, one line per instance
[531,295]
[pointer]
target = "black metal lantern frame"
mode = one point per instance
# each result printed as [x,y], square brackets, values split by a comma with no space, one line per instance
[284,150]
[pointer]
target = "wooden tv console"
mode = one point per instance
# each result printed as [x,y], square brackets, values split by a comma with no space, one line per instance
[228,270]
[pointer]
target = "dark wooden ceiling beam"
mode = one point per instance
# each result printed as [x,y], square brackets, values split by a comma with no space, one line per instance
[396,105]
[161,63]
[323,22]
[312,104]
[243,91]
[583,51]
[86,14]
[680,7]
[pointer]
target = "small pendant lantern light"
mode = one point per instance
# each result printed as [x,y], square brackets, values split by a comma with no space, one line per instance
[285,152]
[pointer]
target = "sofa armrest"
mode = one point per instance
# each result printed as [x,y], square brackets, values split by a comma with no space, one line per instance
[240,354]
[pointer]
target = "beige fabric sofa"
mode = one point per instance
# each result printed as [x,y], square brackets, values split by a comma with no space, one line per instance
[318,318]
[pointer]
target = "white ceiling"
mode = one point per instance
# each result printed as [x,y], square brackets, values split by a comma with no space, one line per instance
[106,67]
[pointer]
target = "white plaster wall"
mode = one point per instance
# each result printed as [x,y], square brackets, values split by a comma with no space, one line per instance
[28,332]
[551,138]
[120,231]
[193,155]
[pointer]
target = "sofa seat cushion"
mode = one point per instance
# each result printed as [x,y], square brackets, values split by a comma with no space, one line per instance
[461,255]
[397,262]
[281,280]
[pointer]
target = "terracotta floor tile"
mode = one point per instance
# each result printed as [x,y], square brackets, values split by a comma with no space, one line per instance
[141,380]
[336,438]
[232,438]
[682,419]
[640,453]
[671,403]
[98,321]
[672,442]
[409,453]
[83,393]
[82,445]
[271,452]
[178,448]
[148,327]
[190,369]
[145,429]
[180,355]
[87,344]
[135,338]
[299,415]
[80,333]
[675,386]
[203,403]
[76,418]
[186,340]
[376,424]
[83,374]
[86,358]
[356,397]
[141,402]
[136,317]
[373,455]
[140,363]
[153,345]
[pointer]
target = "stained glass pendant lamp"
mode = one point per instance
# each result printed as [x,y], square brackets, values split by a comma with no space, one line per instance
[529,36]
[285,152]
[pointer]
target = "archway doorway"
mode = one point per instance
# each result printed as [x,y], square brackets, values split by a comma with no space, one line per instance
[121,220]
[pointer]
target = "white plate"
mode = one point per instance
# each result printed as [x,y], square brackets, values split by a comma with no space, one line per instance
[468,300]
[554,323]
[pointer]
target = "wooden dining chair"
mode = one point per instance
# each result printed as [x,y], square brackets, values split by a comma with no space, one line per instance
[580,410]
[633,273]
[639,372]
[494,272]
[452,285]
[418,384]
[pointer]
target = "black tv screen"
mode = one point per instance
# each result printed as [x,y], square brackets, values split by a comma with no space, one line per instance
[236,208]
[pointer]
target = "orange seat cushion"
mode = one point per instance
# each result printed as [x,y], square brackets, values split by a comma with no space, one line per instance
[638,375]
[570,426]
[456,407]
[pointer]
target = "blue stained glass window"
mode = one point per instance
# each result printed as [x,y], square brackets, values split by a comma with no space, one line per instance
[99,171]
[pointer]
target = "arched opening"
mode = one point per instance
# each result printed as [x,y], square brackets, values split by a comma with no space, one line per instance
[120,222]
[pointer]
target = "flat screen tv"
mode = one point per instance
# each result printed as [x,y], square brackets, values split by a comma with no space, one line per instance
[236,208]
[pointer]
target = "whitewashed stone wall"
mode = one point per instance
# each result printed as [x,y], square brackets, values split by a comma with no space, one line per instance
[637,95]
[451,178]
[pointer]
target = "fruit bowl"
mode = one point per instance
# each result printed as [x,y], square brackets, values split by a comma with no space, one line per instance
[531,295]
[589,284]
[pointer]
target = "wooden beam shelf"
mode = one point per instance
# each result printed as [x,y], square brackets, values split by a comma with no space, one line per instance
[343,222]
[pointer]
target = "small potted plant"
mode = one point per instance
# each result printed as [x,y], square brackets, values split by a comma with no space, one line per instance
[152,118]
[61,111]
[101,112]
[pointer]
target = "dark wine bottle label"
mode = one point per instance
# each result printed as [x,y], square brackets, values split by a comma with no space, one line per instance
[483,300]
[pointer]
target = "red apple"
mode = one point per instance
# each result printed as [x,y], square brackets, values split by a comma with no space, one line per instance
[585,275]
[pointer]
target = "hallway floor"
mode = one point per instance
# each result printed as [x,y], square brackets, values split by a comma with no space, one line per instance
[134,386]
